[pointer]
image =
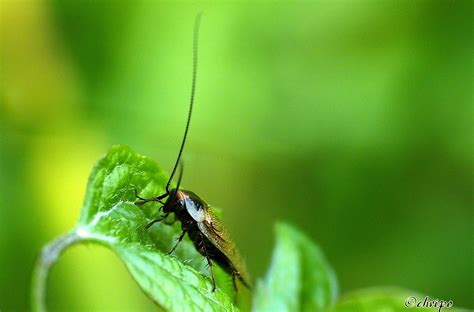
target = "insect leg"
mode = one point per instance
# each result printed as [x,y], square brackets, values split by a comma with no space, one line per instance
[136,194]
[234,275]
[157,220]
[180,238]
[209,263]
[146,200]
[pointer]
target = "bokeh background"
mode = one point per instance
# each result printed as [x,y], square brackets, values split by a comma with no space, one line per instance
[351,120]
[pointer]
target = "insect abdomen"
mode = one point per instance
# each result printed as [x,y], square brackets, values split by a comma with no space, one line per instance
[204,245]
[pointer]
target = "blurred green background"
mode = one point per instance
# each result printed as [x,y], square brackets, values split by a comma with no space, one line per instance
[350,120]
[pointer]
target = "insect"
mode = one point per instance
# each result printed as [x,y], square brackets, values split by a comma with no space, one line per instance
[196,217]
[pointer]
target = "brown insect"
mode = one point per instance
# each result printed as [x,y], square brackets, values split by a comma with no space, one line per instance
[196,217]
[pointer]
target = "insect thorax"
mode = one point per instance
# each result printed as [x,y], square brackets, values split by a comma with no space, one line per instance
[185,201]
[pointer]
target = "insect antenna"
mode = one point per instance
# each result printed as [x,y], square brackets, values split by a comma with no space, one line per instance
[181,168]
[197,24]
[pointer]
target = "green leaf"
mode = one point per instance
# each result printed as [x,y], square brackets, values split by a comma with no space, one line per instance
[110,217]
[299,279]
[387,299]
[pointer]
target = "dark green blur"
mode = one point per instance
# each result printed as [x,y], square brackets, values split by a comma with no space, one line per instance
[351,120]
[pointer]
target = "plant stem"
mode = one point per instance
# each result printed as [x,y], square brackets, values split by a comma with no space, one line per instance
[49,255]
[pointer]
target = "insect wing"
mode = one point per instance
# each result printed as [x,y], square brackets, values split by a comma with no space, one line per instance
[212,228]
[195,208]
